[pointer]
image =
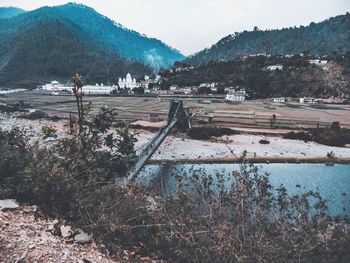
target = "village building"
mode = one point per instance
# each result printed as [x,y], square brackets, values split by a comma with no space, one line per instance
[174,87]
[214,89]
[194,88]
[318,62]
[280,100]
[128,82]
[55,86]
[275,67]
[307,100]
[229,89]
[208,85]
[145,83]
[186,90]
[97,89]
[236,96]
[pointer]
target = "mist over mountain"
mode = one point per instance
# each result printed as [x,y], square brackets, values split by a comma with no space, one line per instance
[331,35]
[56,42]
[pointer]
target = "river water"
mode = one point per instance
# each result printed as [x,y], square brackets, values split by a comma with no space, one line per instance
[333,182]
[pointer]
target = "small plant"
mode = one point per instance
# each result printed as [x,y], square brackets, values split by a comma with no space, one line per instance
[206,132]
[264,141]
[48,132]
[331,155]
[36,115]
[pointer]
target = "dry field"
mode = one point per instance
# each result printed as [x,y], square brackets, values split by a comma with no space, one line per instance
[250,114]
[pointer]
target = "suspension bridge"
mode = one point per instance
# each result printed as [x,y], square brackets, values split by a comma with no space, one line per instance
[176,115]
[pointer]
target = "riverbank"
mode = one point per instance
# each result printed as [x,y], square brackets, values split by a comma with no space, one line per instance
[227,149]
[230,149]
[267,160]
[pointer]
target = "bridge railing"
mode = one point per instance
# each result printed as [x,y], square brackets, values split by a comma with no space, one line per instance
[153,145]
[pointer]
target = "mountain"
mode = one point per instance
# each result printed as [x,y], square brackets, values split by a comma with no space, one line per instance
[56,42]
[317,39]
[8,12]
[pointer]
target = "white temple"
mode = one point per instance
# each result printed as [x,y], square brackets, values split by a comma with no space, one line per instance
[128,82]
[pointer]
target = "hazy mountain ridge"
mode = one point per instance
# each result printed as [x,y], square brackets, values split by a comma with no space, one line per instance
[50,50]
[95,32]
[8,12]
[318,38]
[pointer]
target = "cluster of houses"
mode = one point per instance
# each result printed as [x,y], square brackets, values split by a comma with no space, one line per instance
[129,85]
[317,62]
[55,88]
[236,96]
[125,85]
[310,100]
[303,100]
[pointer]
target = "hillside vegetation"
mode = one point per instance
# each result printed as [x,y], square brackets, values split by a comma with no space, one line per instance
[317,38]
[8,12]
[50,50]
[297,78]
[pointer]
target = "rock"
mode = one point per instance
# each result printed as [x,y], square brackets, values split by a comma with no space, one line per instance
[83,238]
[8,204]
[52,227]
[35,208]
[66,231]
[4,223]
[31,246]
[26,210]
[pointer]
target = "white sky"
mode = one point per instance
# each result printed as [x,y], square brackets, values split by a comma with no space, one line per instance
[191,25]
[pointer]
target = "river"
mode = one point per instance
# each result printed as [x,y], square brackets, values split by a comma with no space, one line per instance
[333,182]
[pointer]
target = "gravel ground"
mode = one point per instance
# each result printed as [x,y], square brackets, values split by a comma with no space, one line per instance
[175,148]
[25,237]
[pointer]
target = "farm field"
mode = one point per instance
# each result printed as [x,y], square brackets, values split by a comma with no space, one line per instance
[250,114]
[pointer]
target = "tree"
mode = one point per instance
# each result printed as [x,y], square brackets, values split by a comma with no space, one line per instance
[78,93]
[125,142]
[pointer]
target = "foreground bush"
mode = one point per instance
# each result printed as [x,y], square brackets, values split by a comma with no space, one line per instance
[206,132]
[334,136]
[207,219]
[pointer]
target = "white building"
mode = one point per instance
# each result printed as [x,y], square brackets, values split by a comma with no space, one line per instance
[229,90]
[128,82]
[186,90]
[275,67]
[55,86]
[279,100]
[307,100]
[236,96]
[157,79]
[318,62]
[97,89]
[174,88]
[214,89]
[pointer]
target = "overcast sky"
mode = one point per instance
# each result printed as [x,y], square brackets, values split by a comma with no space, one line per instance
[191,25]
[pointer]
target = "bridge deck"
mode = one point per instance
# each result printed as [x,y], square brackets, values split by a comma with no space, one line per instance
[152,146]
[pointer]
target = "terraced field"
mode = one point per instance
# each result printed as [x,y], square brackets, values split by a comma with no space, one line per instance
[250,114]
